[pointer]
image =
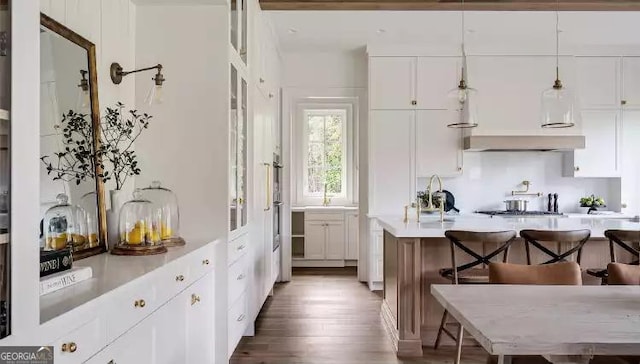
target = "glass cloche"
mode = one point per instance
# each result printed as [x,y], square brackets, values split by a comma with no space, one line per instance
[139,234]
[165,210]
[64,225]
[88,202]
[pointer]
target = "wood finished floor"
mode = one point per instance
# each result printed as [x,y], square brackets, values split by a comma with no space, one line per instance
[327,316]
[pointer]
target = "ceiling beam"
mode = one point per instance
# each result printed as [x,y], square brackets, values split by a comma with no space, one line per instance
[496,5]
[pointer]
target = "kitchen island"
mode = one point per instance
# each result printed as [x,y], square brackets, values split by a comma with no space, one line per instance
[414,252]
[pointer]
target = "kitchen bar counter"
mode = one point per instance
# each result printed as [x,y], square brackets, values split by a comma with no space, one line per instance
[415,252]
[431,227]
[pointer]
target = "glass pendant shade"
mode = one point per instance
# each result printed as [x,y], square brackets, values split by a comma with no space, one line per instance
[155,95]
[84,100]
[558,108]
[462,101]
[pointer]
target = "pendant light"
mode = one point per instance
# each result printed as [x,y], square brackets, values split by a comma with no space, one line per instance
[462,99]
[558,102]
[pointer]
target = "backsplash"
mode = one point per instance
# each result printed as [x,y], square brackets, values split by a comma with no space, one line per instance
[489,178]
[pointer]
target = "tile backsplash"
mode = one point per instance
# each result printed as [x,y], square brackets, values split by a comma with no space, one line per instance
[489,178]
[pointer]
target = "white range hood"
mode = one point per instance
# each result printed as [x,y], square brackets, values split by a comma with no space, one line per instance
[517,143]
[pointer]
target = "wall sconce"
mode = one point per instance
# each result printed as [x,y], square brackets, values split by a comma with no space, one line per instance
[155,94]
[84,98]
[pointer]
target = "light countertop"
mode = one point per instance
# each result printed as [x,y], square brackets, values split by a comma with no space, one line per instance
[431,227]
[109,272]
[324,208]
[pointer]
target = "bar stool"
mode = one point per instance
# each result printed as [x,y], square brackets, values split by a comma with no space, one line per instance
[536,237]
[468,273]
[619,238]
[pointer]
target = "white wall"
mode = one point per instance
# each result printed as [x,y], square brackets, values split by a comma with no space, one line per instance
[489,178]
[186,145]
[333,75]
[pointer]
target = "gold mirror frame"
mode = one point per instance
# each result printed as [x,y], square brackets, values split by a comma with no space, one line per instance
[84,43]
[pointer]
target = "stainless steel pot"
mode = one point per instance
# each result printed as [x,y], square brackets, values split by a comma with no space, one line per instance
[516,205]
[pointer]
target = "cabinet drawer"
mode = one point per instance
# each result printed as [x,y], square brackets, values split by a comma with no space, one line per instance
[200,262]
[237,248]
[237,279]
[172,279]
[130,307]
[80,344]
[237,322]
[324,216]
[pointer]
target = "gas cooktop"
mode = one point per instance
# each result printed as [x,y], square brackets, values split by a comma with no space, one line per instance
[520,213]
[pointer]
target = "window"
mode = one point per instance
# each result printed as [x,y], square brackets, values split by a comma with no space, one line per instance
[325,152]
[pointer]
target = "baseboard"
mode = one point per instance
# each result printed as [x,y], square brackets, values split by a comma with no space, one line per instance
[318,263]
[350,263]
[376,286]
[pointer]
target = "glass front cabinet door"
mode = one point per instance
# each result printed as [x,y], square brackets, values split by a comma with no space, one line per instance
[238,29]
[238,151]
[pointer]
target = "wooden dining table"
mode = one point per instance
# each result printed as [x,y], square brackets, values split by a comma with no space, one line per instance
[564,324]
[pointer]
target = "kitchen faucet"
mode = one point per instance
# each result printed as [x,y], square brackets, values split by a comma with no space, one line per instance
[325,199]
[440,197]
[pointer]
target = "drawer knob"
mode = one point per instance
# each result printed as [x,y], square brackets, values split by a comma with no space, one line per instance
[261,80]
[69,347]
[414,102]
[240,277]
[179,278]
[194,299]
[139,303]
[577,169]
[241,247]
[240,318]
[205,262]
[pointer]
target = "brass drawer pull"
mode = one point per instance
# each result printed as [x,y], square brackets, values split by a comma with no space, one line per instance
[194,299]
[240,277]
[139,303]
[179,278]
[205,262]
[69,347]
[240,318]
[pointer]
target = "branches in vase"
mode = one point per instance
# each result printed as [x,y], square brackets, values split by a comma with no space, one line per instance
[76,162]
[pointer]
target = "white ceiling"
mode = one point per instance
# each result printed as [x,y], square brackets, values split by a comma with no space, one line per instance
[348,30]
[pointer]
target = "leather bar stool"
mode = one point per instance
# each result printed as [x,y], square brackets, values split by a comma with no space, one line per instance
[535,238]
[620,238]
[472,272]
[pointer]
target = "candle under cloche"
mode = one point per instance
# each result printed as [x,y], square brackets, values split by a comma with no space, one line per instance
[139,230]
[166,211]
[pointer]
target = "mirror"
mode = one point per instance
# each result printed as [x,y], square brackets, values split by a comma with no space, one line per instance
[71,198]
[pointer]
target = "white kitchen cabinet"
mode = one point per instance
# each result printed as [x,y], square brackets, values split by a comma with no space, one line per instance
[602,130]
[199,300]
[510,89]
[435,77]
[391,164]
[334,240]
[353,236]
[598,82]
[630,82]
[407,83]
[630,181]
[391,83]
[438,148]
[314,240]
[376,236]
[134,347]
[170,330]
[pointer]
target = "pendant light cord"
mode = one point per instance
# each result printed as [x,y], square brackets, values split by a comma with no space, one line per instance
[557,40]
[463,75]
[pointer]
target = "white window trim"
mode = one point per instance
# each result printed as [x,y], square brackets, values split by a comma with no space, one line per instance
[305,147]
[300,128]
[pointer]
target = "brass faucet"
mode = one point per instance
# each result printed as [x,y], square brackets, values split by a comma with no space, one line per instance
[326,200]
[441,199]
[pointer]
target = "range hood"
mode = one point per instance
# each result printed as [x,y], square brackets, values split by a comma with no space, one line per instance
[523,143]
